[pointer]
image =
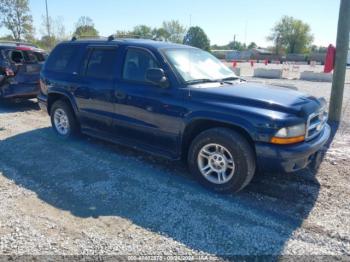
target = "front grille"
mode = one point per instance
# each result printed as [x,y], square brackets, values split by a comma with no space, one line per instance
[316,123]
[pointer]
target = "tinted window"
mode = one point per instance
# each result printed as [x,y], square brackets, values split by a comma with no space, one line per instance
[136,64]
[102,63]
[17,57]
[63,58]
[40,57]
[29,57]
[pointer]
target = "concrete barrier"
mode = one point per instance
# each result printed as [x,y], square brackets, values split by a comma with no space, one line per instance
[316,77]
[243,71]
[268,73]
[347,76]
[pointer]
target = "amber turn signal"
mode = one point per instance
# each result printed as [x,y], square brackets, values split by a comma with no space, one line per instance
[287,140]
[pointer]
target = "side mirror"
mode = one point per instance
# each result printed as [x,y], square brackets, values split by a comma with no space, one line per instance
[157,77]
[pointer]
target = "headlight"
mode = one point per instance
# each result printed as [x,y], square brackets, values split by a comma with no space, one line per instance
[290,135]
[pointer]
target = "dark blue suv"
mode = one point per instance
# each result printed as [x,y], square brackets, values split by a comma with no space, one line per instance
[176,101]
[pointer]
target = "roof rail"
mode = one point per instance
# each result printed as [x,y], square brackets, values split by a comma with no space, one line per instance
[111,37]
[121,36]
[127,36]
[75,38]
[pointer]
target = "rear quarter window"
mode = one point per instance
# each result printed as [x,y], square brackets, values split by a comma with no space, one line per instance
[63,59]
[41,57]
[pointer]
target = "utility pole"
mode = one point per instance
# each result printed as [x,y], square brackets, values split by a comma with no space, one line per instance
[335,107]
[47,20]
[245,32]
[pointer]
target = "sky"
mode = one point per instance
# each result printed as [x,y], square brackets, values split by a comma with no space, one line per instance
[249,20]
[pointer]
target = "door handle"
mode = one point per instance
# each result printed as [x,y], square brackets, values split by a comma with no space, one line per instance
[119,94]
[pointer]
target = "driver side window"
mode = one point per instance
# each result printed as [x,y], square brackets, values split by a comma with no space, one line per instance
[136,64]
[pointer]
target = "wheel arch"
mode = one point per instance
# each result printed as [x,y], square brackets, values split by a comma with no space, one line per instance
[55,96]
[195,127]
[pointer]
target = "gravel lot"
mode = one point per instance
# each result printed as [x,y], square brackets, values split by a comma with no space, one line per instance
[90,197]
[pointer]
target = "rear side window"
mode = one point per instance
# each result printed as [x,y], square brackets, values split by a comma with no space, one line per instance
[29,57]
[102,63]
[17,57]
[40,57]
[63,59]
[136,64]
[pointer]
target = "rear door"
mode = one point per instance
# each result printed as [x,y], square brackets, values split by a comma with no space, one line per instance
[95,95]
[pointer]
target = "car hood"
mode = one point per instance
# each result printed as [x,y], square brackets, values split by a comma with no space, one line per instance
[270,97]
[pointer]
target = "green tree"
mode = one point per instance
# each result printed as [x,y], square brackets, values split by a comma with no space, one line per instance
[15,16]
[85,27]
[57,32]
[7,38]
[196,37]
[175,32]
[218,47]
[236,45]
[142,31]
[160,34]
[291,34]
[171,31]
[252,45]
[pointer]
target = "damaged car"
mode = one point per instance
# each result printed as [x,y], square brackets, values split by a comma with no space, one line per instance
[20,66]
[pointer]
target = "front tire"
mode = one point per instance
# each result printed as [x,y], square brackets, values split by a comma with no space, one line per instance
[222,160]
[63,120]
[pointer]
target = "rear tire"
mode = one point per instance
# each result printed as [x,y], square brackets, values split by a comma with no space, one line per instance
[222,160]
[63,120]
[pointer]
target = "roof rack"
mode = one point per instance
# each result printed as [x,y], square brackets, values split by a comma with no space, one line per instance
[130,36]
[85,37]
[111,37]
[18,43]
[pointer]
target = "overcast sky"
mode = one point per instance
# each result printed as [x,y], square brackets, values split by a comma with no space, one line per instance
[249,20]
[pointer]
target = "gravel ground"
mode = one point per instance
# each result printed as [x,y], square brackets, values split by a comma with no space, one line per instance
[90,197]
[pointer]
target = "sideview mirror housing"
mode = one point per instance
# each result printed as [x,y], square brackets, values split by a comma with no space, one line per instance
[157,77]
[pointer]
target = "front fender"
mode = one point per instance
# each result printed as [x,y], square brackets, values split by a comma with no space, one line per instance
[227,119]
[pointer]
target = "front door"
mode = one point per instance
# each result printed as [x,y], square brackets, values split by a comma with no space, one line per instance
[145,113]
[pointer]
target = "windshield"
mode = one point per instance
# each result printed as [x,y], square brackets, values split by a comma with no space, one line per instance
[196,65]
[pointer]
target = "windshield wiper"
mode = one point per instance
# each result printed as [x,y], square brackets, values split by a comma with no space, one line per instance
[207,80]
[230,78]
[199,81]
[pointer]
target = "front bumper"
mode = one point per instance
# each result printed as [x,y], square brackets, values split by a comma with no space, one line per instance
[290,158]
